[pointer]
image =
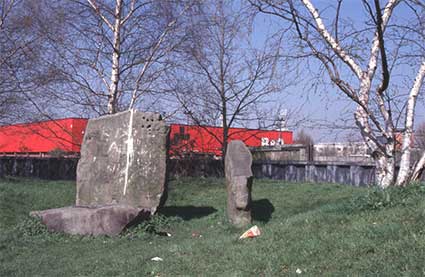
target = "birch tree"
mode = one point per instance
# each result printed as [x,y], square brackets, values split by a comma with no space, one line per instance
[23,29]
[223,77]
[360,61]
[114,52]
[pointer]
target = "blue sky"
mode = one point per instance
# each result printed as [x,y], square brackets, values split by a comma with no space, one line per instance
[327,104]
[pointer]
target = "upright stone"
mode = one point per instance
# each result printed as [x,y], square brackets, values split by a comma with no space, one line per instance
[238,172]
[123,161]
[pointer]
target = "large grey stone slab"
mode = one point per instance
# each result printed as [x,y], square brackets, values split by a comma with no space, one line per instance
[94,220]
[238,172]
[123,161]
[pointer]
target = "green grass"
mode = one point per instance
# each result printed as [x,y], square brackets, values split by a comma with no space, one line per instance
[321,229]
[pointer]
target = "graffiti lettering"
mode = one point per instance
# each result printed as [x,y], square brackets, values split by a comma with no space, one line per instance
[271,142]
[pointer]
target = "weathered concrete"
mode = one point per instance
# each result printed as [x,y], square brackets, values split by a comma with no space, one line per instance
[123,161]
[289,152]
[36,167]
[102,220]
[316,172]
[239,183]
[355,174]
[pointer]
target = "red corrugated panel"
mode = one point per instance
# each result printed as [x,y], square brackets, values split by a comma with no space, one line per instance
[188,139]
[67,135]
[78,129]
[42,136]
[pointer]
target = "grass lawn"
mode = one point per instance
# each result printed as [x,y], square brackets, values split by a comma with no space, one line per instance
[315,229]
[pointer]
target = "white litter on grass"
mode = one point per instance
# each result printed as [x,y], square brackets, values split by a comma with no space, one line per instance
[252,232]
[157,259]
[298,271]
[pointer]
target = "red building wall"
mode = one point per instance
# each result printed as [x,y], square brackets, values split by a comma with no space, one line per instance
[207,140]
[43,137]
[78,129]
[67,135]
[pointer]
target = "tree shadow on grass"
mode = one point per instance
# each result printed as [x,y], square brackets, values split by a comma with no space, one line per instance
[262,210]
[187,212]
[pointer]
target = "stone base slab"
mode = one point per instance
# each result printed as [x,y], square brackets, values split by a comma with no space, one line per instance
[90,220]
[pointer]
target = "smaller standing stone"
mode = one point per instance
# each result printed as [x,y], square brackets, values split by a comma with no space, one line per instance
[238,172]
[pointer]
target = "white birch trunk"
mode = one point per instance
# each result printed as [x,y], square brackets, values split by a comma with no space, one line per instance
[383,153]
[115,73]
[405,171]
[418,168]
[361,115]
[384,171]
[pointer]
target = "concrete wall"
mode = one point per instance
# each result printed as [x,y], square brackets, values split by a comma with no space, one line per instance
[195,168]
[316,172]
[321,152]
[342,152]
[43,168]
[65,168]
[296,152]
[355,174]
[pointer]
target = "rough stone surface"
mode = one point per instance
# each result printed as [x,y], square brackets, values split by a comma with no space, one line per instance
[102,220]
[238,172]
[123,161]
